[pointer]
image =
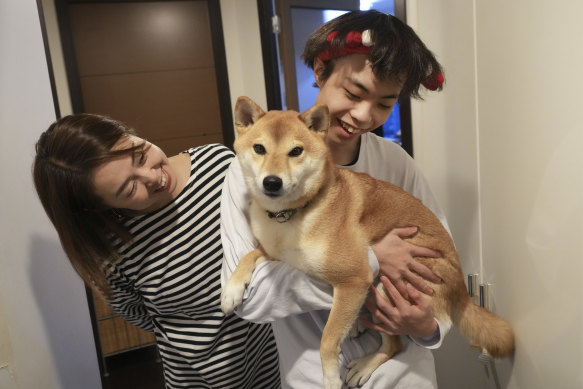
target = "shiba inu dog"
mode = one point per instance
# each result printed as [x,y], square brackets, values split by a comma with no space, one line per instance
[319,218]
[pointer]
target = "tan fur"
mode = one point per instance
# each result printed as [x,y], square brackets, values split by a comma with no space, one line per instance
[328,237]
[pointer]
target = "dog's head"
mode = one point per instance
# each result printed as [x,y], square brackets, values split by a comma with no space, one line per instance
[283,154]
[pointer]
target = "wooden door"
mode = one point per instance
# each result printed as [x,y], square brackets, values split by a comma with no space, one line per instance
[156,65]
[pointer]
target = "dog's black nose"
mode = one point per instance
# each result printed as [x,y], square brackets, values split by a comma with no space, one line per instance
[272,183]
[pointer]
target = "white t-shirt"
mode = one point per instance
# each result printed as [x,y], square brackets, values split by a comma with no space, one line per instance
[298,305]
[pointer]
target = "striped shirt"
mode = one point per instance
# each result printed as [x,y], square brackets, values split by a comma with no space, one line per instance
[168,282]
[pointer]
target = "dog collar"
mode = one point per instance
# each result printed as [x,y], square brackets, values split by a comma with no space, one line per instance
[284,215]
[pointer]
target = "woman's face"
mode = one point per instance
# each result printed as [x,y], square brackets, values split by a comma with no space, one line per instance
[141,181]
[358,101]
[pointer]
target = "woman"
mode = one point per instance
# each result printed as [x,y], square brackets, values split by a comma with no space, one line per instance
[142,230]
[363,62]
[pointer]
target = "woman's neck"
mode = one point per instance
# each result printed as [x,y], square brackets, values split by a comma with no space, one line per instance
[181,166]
[344,153]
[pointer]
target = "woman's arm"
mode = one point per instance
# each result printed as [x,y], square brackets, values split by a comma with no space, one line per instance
[128,303]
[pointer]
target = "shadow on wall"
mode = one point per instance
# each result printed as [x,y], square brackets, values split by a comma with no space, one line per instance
[60,295]
[454,352]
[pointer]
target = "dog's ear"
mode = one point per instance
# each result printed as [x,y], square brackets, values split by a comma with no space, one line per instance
[317,118]
[246,113]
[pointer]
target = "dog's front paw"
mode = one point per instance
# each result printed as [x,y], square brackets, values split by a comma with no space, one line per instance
[231,296]
[332,382]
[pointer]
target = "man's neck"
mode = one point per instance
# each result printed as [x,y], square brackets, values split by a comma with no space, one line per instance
[344,153]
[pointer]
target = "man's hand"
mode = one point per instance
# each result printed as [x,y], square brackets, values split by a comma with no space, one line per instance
[396,315]
[395,256]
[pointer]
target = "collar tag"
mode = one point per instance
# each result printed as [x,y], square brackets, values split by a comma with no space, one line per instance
[284,215]
[281,216]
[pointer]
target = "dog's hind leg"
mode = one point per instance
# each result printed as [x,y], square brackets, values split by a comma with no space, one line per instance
[232,293]
[348,298]
[360,370]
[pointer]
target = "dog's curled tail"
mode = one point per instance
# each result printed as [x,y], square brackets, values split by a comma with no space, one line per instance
[485,329]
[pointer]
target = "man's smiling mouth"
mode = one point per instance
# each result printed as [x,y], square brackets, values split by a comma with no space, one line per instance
[348,128]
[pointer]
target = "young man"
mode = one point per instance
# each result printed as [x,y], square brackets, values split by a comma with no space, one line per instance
[363,62]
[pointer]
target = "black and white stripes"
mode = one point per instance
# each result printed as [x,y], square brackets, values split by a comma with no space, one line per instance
[169,282]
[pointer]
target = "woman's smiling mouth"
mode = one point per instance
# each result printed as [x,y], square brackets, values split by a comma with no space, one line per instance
[164,181]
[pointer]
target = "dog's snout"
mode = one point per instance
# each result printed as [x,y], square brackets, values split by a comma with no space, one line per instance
[272,183]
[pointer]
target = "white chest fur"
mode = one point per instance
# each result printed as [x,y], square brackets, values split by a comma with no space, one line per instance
[291,241]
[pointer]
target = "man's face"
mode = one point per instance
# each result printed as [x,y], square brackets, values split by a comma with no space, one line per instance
[358,101]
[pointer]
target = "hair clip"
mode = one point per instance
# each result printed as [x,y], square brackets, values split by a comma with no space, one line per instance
[435,82]
[356,43]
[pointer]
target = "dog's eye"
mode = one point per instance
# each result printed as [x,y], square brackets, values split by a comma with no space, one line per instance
[295,151]
[259,149]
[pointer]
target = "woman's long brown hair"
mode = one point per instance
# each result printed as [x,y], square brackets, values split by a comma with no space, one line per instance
[67,153]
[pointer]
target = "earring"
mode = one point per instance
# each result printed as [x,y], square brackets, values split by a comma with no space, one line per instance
[116,213]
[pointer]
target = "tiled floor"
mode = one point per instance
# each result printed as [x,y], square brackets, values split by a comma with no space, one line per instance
[138,369]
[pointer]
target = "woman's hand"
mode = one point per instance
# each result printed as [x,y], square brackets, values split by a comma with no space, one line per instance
[396,315]
[395,256]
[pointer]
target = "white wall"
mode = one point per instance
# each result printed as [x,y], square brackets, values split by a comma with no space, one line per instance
[501,147]
[531,137]
[45,333]
[243,50]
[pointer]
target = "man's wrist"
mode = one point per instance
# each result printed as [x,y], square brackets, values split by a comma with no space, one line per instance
[431,334]
[434,340]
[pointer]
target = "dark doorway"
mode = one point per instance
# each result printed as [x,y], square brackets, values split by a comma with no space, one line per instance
[285,27]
